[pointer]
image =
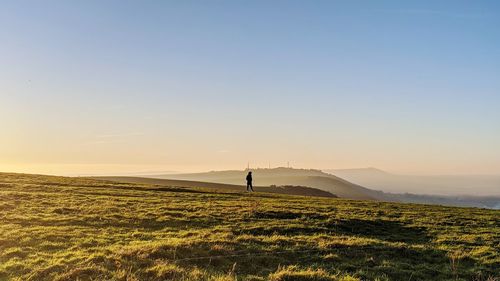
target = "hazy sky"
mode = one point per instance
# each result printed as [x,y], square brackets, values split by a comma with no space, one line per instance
[133,86]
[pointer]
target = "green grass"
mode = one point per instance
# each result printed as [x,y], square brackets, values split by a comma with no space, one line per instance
[55,228]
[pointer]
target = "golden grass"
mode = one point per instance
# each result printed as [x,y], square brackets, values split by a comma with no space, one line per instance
[55,228]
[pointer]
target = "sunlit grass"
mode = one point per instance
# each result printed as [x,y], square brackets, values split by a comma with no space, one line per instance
[55,228]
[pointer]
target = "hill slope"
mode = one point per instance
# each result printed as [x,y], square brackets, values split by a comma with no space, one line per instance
[284,176]
[57,228]
[290,190]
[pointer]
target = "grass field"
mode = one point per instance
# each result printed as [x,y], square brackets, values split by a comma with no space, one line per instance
[55,228]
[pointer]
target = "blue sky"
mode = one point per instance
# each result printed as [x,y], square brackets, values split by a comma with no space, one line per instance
[407,86]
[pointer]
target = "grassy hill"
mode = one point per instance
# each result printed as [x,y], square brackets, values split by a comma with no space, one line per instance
[284,176]
[57,228]
[286,189]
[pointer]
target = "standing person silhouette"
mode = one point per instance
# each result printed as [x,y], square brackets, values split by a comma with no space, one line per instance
[249,181]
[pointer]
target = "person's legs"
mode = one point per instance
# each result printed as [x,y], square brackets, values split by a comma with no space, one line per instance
[248,185]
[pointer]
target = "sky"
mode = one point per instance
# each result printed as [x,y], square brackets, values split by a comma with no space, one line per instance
[116,87]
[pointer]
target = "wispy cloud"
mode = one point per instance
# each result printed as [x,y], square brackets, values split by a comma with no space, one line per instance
[102,142]
[121,135]
[111,138]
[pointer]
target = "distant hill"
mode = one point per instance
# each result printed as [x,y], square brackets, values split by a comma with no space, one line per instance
[481,191]
[365,183]
[284,176]
[286,189]
[358,171]
[449,185]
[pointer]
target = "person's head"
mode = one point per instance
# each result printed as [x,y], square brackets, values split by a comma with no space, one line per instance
[250,173]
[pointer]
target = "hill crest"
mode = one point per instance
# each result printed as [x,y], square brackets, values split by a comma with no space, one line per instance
[283,176]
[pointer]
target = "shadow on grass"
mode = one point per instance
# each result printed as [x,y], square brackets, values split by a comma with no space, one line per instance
[276,214]
[366,261]
[385,230]
[392,231]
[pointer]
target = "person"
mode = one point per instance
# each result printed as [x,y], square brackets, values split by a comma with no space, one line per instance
[249,181]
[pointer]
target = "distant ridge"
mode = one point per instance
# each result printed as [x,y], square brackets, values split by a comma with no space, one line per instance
[362,184]
[481,191]
[368,170]
[283,176]
[444,185]
[287,189]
